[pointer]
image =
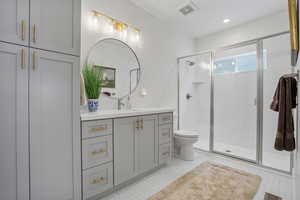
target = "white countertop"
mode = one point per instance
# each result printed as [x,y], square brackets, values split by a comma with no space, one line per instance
[108,114]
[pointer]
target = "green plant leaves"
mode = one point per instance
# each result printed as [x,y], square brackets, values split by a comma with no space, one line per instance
[92,81]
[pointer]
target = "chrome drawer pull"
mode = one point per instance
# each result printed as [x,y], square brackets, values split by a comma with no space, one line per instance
[97,180]
[99,151]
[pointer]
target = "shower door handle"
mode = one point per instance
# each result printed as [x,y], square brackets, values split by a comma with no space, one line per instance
[255,101]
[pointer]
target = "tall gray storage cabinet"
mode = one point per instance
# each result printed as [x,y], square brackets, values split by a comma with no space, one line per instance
[39,107]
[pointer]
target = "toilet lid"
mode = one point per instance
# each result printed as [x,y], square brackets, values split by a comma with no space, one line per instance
[187,134]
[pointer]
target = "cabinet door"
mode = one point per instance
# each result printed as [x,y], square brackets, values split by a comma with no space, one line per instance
[14,20]
[124,149]
[54,126]
[14,162]
[55,25]
[147,143]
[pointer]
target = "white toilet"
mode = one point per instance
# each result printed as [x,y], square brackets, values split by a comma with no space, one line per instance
[184,141]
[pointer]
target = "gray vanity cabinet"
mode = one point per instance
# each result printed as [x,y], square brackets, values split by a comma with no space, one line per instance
[125,133]
[135,146]
[140,143]
[147,143]
[97,157]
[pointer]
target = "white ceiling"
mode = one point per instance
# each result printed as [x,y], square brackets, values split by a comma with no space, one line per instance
[211,13]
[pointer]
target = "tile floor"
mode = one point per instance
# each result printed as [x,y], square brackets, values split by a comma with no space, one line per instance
[274,160]
[273,182]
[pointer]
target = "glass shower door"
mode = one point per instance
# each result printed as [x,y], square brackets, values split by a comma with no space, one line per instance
[194,96]
[235,102]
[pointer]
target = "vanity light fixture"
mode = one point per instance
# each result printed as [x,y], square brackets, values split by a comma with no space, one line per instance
[119,26]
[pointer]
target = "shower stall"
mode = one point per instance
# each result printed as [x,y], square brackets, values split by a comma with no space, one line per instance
[225,96]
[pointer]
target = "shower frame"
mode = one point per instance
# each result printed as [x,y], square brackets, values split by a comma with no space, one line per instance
[260,75]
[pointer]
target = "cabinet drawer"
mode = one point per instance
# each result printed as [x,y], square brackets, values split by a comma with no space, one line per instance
[96,128]
[164,153]
[165,133]
[97,180]
[165,118]
[96,151]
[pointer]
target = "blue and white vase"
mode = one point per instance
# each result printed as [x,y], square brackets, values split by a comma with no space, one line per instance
[93,104]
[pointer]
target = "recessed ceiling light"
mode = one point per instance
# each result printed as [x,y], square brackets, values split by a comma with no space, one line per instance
[226,21]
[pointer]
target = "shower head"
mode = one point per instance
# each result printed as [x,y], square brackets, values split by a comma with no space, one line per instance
[190,63]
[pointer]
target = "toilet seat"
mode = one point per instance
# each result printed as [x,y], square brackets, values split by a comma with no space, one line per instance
[186,134]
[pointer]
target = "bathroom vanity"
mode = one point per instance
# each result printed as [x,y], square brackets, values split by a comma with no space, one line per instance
[119,147]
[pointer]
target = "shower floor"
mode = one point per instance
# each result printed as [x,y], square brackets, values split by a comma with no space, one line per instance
[270,159]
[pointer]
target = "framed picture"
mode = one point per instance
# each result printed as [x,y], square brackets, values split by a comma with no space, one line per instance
[294,30]
[109,76]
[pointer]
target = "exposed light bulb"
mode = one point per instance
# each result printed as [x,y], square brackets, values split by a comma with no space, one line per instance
[93,22]
[137,36]
[111,27]
[103,24]
[124,33]
[97,24]
[226,21]
[132,35]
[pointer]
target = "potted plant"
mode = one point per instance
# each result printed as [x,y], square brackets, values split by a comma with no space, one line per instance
[92,81]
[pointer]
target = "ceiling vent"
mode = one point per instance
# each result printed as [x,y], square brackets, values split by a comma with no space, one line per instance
[188,8]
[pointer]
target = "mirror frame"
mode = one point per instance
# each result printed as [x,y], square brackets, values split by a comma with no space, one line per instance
[139,71]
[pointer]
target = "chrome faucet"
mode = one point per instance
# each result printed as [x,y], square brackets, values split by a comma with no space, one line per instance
[120,103]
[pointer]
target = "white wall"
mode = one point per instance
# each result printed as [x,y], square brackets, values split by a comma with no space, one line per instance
[259,28]
[158,50]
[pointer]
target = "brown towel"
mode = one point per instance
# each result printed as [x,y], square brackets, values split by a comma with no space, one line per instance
[284,101]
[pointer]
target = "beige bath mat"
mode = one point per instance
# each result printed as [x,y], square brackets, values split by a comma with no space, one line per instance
[211,181]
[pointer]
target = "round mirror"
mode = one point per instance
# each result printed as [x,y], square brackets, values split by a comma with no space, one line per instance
[119,65]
